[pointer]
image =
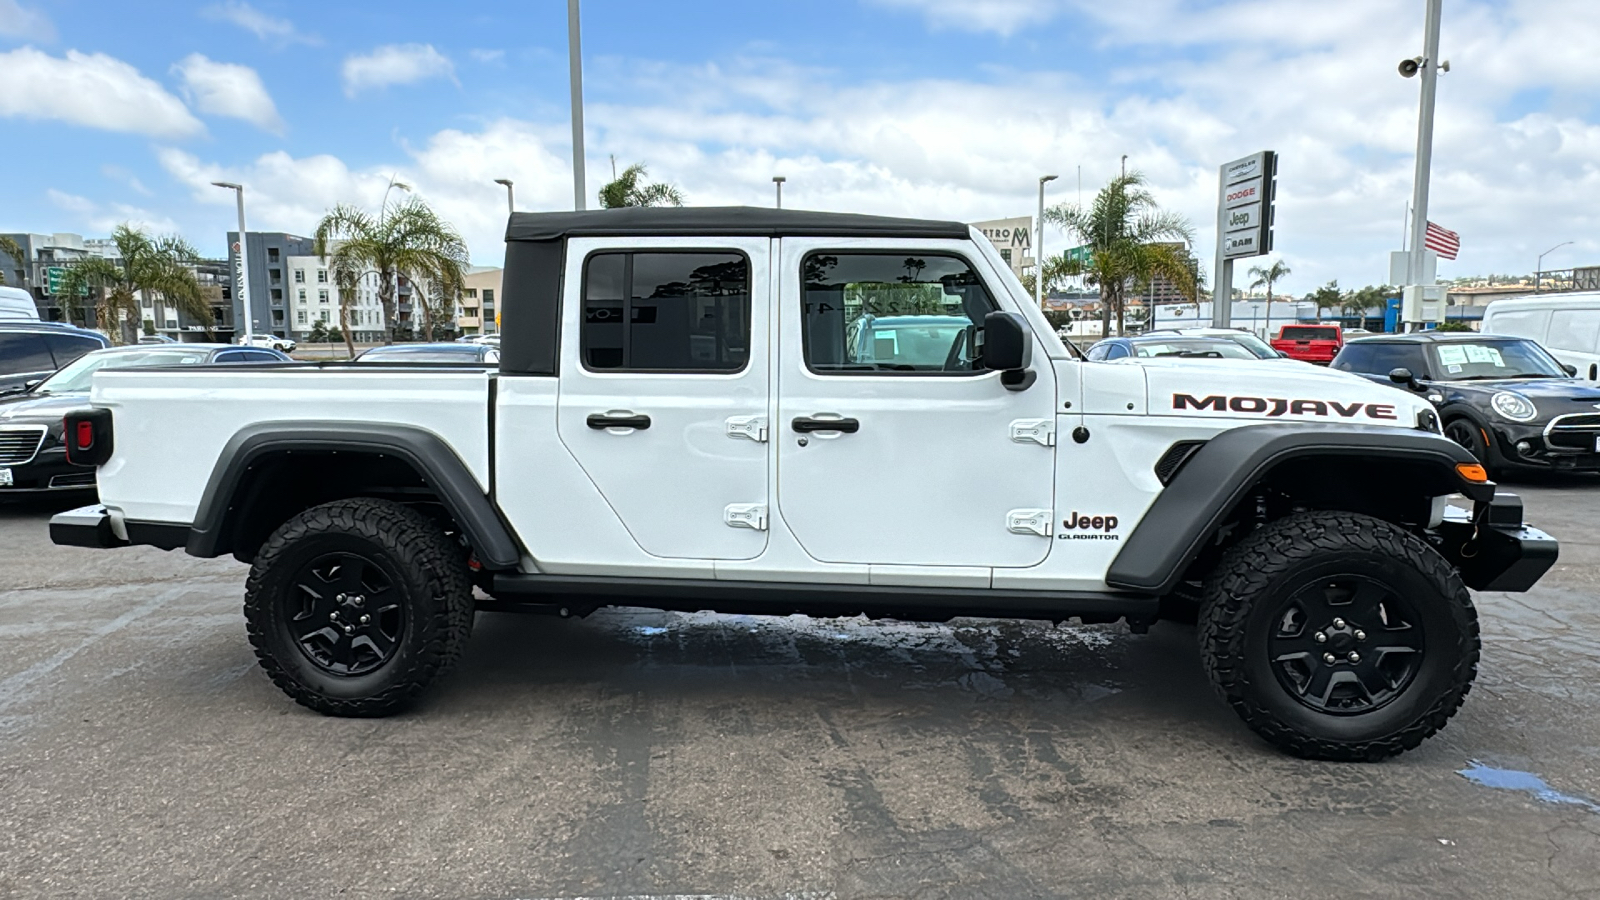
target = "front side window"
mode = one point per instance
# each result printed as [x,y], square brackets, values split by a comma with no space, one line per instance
[892,312]
[1377,358]
[666,311]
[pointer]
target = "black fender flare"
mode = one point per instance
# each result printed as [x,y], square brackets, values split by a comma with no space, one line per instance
[1223,471]
[427,453]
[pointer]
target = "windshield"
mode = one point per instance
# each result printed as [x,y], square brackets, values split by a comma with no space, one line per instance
[1191,348]
[1482,360]
[79,375]
[1308,333]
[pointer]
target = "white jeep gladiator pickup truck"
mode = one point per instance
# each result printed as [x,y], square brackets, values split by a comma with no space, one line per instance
[777,411]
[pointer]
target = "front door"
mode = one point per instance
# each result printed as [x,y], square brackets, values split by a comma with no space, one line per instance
[663,396]
[894,447]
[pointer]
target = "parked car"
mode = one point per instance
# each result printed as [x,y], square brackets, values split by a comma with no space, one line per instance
[30,351]
[271,341]
[16,305]
[158,339]
[1175,346]
[1261,349]
[1504,398]
[1568,325]
[1317,344]
[492,340]
[690,427]
[912,343]
[453,352]
[32,456]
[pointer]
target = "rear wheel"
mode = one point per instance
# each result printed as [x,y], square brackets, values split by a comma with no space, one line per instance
[1339,636]
[356,607]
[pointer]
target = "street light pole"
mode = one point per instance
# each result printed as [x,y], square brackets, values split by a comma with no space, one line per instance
[575,61]
[241,274]
[511,204]
[1429,70]
[777,181]
[1038,247]
[1538,267]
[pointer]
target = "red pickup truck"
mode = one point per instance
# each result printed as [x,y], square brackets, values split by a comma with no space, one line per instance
[1310,343]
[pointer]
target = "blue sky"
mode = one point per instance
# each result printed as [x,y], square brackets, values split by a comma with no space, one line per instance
[936,108]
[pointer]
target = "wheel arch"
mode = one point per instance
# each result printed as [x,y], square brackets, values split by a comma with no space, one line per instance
[1330,468]
[269,472]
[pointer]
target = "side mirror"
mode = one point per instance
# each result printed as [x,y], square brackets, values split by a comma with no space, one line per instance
[1007,348]
[1404,376]
[32,383]
[1570,369]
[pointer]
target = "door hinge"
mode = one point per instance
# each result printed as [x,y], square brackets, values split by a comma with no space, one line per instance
[1030,521]
[746,515]
[751,427]
[1039,431]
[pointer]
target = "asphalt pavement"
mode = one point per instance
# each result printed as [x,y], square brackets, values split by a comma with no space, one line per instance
[644,754]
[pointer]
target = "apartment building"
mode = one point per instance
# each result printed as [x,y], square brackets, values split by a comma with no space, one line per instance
[313,298]
[479,302]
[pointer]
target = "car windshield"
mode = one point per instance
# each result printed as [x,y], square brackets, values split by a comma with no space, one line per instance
[79,375]
[1484,360]
[1261,349]
[1308,333]
[1191,349]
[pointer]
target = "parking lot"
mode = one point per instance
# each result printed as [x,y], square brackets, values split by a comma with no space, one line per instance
[143,753]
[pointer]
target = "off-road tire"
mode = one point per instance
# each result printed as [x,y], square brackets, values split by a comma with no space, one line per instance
[436,595]
[1253,579]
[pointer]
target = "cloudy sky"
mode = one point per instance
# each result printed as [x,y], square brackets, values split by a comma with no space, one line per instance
[933,108]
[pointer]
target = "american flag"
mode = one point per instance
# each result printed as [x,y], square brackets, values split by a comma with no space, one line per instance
[1442,241]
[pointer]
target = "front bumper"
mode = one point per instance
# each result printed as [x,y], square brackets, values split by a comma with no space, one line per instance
[1493,549]
[1574,454]
[48,471]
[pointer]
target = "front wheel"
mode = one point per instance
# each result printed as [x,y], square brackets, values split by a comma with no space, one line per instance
[356,607]
[1339,636]
[1467,433]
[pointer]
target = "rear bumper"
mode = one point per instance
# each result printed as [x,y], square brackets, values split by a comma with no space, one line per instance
[1494,550]
[86,526]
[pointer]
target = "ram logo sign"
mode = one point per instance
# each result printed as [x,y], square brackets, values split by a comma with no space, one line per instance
[1273,407]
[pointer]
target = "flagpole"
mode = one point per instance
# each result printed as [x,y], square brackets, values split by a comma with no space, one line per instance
[1429,71]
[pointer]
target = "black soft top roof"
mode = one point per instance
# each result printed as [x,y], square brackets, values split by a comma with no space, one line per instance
[717,221]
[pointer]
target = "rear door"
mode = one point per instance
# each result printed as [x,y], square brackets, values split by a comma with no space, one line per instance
[663,396]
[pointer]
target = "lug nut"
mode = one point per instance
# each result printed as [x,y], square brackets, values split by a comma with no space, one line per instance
[339,598]
[1320,638]
[1329,658]
[1360,635]
[349,630]
[1354,657]
[365,619]
[1338,623]
[333,616]
[359,600]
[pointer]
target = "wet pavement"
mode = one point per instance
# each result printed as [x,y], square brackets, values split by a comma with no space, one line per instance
[646,754]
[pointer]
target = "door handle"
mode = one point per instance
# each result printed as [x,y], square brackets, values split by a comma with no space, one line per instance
[808,424]
[630,420]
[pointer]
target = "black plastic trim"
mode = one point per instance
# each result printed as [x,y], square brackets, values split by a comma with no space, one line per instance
[164,535]
[86,526]
[720,221]
[530,307]
[439,466]
[787,598]
[1219,475]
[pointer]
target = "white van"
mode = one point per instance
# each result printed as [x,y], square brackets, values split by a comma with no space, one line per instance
[16,305]
[1568,325]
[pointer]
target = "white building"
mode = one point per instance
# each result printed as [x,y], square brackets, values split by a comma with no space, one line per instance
[1013,238]
[313,297]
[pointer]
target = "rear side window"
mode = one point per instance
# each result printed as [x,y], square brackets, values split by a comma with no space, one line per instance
[666,311]
[24,353]
[1575,329]
[67,348]
[1381,359]
[1309,333]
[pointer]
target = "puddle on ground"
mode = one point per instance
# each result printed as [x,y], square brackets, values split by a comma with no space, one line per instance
[1526,782]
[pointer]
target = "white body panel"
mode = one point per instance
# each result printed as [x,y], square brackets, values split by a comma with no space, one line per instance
[171,426]
[1568,325]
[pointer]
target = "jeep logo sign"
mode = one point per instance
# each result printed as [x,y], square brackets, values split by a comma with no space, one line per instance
[1243,217]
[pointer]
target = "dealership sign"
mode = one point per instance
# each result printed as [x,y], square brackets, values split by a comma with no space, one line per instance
[1245,197]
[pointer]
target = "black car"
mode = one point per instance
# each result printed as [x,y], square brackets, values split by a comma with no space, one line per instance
[455,352]
[1504,398]
[32,457]
[30,351]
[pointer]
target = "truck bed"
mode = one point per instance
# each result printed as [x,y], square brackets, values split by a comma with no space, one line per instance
[172,424]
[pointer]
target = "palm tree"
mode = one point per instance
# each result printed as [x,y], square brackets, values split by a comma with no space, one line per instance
[1326,297]
[1267,277]
[1127,235]
[630,189]
[155,267]
[9,247]
[405,240]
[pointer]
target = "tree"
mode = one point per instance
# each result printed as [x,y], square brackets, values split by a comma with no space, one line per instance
[407,239]
[154,267]
[631,189]
[1268,276]
[1357,302]
[1326,297]
[11,248]
[1125,231]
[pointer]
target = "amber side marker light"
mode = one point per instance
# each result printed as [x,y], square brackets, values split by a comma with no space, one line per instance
[1472,472]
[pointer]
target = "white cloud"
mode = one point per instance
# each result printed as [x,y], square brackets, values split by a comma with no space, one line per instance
[487,56]
[394,64]
[226,89]
[92,90]
[263,26]
[100,218]
[1003,17]
[18,21]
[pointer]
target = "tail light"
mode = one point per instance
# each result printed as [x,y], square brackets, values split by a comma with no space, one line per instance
[88,437]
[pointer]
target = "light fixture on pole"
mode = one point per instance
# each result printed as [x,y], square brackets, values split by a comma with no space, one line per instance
[1038,247]
[241,268]
[575,63]
[511,205]
[1538,267]
[777,181]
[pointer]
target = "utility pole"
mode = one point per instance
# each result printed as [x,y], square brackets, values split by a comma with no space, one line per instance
[575,60]
[1038,247]
[511,205]
[1429,70]
[1538,267]
[777,181]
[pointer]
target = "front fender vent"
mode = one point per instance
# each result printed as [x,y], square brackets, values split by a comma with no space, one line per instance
[1171,461]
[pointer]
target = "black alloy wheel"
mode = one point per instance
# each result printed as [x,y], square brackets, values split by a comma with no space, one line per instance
[1467,434]
[344,613]
[1346,645]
